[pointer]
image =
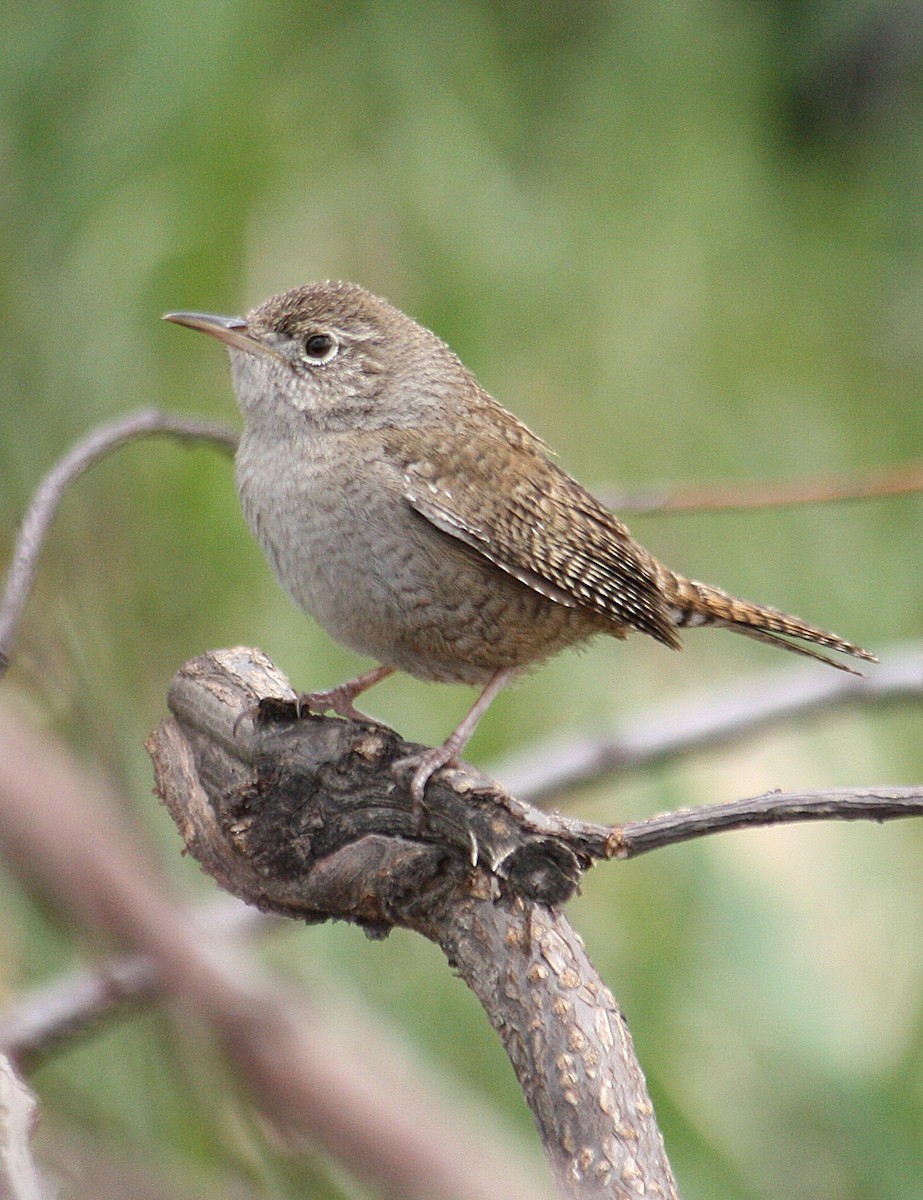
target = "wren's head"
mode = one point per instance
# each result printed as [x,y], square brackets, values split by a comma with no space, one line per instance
[336,353]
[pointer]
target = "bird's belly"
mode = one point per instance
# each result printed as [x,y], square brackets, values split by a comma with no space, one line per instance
[384,582]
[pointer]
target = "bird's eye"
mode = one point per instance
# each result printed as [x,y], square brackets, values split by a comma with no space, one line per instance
[320,347]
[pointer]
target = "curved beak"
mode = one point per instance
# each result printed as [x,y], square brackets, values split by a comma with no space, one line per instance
[231,330]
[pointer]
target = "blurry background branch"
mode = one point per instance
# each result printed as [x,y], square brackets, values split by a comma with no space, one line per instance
[904,479]
[20,578]
[19,1177]
[705,719]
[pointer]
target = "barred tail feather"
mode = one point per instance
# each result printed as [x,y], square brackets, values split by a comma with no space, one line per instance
[700,604]
[773,639]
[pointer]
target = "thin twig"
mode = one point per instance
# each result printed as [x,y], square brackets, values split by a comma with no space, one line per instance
[85,454]
[773,808]
[878,484]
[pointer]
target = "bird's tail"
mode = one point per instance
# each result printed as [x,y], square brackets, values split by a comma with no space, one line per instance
[695,603]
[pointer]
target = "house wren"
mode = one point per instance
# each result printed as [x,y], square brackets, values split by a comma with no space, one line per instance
[422,524]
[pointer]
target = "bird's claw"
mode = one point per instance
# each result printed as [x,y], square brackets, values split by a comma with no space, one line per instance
[251,713]
[421,767]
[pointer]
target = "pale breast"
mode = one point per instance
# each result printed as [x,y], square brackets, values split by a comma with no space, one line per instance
[380,579]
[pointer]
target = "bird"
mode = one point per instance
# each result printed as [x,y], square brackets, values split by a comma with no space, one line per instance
[425,526]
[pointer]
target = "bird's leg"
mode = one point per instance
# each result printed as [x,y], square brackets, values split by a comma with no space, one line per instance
[428,761]
[340,699]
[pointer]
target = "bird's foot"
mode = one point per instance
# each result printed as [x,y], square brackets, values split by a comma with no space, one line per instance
[340,699]
[425,763]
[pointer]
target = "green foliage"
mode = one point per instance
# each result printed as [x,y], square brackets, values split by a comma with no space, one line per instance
[683,241]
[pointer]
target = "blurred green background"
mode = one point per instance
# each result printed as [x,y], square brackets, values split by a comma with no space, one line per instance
[683,242]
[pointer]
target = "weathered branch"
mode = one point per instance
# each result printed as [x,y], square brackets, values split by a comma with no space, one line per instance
[305,818]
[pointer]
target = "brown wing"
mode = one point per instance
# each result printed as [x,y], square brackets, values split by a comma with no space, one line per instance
[531,519]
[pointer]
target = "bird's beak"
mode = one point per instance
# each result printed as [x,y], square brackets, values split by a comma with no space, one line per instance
[231,330]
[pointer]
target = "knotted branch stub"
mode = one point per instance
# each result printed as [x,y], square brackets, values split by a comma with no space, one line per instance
[290,813]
